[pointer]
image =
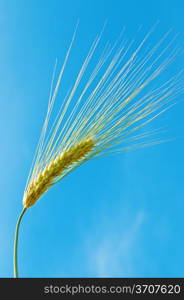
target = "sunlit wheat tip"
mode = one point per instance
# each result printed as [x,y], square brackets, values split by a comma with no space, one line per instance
[47,178]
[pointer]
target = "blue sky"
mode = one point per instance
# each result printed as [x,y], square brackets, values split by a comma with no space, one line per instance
[120,216]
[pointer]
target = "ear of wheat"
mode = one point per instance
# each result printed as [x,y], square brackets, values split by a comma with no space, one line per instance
[103,115]
[56,167]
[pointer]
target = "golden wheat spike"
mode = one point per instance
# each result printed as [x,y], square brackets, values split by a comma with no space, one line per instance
[56,167]
[110,105]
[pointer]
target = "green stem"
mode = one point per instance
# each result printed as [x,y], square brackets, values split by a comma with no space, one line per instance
[16,243]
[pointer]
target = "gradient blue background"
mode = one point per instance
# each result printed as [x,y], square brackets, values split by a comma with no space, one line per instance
[118,216]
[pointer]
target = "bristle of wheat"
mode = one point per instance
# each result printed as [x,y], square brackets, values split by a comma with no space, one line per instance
[56,167]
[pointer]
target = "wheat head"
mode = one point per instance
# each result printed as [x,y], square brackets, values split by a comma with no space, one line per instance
[100,115]
[46,178]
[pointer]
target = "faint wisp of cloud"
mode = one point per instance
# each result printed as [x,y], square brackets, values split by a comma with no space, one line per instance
[113,254]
